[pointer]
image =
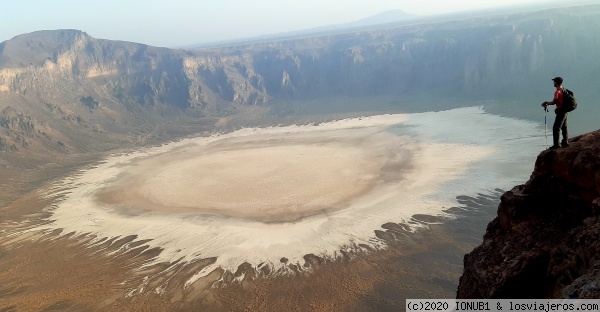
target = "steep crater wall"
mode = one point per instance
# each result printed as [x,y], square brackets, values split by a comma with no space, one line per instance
[488,57]
[84,94]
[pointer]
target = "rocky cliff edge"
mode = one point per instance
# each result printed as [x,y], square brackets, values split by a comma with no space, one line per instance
[544,243]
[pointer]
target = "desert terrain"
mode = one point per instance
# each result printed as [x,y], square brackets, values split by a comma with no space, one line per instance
[342,171]
[357,213]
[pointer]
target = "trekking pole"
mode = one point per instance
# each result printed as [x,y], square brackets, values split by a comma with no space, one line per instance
[545,125]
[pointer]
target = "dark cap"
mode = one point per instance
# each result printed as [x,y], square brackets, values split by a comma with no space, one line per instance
[558,80]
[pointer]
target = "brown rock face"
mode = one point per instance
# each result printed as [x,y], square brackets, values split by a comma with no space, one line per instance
[544,241]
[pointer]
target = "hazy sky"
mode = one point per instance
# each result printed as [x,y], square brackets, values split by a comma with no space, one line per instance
[173,23]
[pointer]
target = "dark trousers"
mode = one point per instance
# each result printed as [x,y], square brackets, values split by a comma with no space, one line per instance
[560,123]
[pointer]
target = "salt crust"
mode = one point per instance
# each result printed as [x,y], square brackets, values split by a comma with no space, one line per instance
[260,194]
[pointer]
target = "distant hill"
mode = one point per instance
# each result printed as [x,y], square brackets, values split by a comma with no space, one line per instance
[387,17]
[392,16]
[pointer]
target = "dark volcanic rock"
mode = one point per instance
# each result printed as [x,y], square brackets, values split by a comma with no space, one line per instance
[544,241]
[16,130]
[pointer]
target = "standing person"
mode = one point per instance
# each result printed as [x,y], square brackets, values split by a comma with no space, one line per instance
[560,123]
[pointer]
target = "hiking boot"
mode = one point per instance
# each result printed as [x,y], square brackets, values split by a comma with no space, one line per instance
[554,147]
[564,144]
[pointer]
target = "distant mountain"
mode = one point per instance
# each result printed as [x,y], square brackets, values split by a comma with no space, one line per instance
[386,17]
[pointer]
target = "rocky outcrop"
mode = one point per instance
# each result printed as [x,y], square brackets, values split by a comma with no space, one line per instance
[16,130]
[20,131]
[544,241]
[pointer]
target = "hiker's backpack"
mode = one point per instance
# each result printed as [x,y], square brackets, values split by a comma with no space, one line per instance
[569,102]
